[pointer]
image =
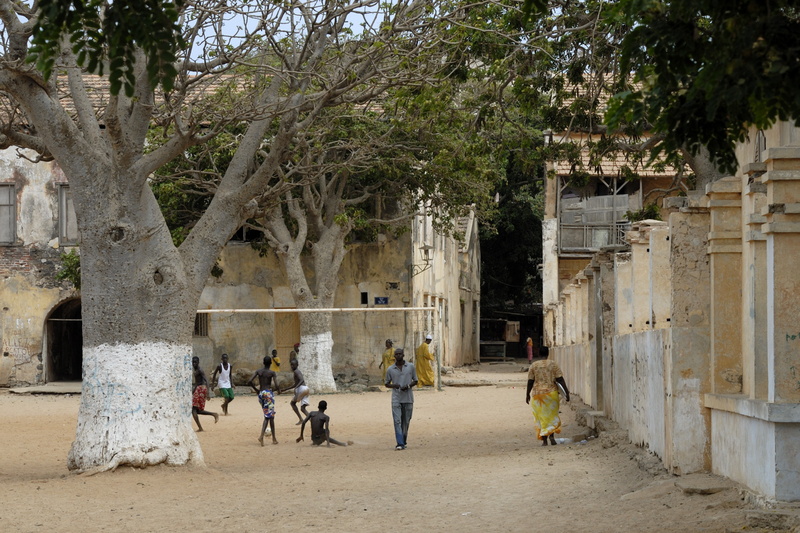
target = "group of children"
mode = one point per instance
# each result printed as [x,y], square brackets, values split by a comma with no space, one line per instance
[267,387]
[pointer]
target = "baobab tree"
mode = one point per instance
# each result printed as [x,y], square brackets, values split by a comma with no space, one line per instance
[289,62]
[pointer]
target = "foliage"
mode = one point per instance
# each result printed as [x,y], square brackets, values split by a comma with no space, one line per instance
[70,268]
[648,212]
[705,70]
[106,36]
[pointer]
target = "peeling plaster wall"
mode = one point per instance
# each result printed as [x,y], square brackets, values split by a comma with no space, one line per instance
[653,380]
[379,269]
[28,288]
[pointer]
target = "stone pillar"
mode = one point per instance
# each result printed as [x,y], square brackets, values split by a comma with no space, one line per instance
[607,327]
[782,229]
[639,238]
[660,277]
[569,316]
[687,366]
[593,325]
[623,301]
[755,380]
[559,322]
[725,249]
[582,311]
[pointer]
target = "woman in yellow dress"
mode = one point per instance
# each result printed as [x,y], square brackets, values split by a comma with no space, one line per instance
[387,359]
[544,378]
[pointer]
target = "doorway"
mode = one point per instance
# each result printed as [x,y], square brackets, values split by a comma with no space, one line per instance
[287,333]
[65,342]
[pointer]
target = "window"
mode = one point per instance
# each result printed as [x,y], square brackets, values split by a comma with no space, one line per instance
[67,224]
[201,325]
[8,214]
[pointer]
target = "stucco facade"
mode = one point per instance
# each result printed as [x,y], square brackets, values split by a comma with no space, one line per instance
[41,320]
[701,362]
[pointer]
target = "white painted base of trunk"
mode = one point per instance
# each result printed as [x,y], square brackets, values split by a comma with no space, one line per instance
[315,362]
[136,408]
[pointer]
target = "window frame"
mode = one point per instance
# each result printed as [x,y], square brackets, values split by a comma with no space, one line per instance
[65,215]
[12,204]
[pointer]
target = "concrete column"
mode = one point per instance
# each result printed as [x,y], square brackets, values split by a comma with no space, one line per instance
[559,322]
[660,277]
[548,333]
[566,296]
[608,327]
[582,309]
[755,378]
[639,238]
[549,261]
[725,249]
[687,367]
[623,301]
[782,230]
[593,333]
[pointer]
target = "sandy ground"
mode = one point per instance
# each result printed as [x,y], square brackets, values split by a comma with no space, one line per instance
[472,465]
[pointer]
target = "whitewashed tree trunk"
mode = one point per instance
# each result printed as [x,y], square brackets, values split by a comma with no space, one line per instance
[313,288]
[138,307]
[135,407]
[316,349]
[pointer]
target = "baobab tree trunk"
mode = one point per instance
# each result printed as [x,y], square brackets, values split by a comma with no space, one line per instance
[138,308]
[316,349]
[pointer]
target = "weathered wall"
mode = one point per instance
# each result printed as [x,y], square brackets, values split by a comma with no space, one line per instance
[652,312]
[28,288]
[253,282]
[448,280]
[638,381]
[702,357]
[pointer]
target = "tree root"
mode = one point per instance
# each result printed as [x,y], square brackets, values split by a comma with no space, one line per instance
[133,458]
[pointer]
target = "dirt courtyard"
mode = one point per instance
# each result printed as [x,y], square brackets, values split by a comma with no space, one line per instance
[472,465]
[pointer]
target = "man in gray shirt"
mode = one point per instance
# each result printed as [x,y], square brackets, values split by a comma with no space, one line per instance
[401,377]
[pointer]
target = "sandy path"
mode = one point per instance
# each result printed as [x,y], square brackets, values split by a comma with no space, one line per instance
[471,465]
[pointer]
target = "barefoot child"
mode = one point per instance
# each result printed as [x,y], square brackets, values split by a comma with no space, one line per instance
[301,392]
[223,370]
[320,431]
[267,382]
[200,393]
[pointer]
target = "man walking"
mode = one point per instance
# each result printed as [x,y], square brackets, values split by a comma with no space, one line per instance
[401,377]
[221,377]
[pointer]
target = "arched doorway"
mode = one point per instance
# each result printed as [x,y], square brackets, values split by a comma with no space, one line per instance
[65,342]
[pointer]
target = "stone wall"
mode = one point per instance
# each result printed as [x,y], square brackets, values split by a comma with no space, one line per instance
[698,319]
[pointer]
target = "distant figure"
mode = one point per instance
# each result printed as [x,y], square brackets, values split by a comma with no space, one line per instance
[320,432]
[223,370]
[387,359]
[301,392]
[267,382]
[401,377]
[543,378]
[422,361]
[200,394]
[276,362]
[295,352]
[529,349]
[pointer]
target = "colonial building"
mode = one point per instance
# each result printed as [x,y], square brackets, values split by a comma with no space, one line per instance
[41,316]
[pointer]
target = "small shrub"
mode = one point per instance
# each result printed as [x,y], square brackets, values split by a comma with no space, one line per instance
[70,268]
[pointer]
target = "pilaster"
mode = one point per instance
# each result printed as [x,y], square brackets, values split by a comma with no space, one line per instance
[725,251]
[782,230]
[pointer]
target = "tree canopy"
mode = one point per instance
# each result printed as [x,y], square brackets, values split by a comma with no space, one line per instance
[706,70]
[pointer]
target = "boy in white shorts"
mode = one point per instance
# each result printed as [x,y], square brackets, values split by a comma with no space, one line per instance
[301,392]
